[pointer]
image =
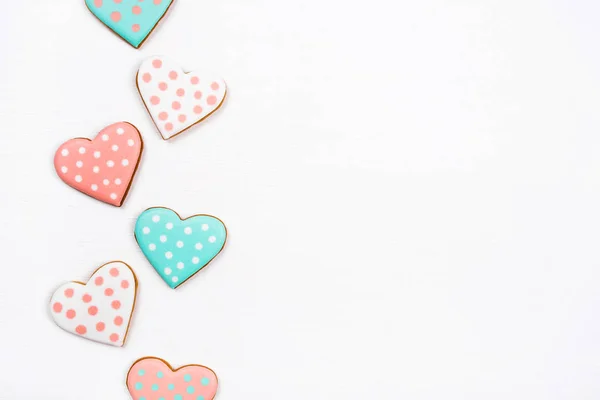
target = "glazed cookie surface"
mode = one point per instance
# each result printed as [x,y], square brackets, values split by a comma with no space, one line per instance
[177,100]
[133,20]
[101,309]
[178,249]
[152,378]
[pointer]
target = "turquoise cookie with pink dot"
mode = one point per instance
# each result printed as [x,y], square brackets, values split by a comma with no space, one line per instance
[133,20]
[176,248]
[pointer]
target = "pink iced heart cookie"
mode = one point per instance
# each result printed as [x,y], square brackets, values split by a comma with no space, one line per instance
[102,168]
[101,309]
[177,100]
[151,378]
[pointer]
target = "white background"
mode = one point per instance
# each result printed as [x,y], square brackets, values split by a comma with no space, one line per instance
[412,192]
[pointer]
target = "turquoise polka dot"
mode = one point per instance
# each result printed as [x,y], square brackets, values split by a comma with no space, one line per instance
[200,397]
[159,374]
[139,386]
[205,381]
[141,372]
[155,387]
[142,398]
[187,377]
[178,397]
[190,389]
[171,386]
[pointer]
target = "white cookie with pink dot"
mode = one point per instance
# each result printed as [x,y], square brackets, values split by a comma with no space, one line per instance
[177,100]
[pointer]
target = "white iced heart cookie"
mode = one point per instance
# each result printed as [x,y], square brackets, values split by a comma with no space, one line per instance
[176,100]
[100,309]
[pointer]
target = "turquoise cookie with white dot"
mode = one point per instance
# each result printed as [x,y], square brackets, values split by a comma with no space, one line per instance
[176,248]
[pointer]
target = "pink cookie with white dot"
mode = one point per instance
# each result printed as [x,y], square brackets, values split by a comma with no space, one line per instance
[101,309]
[102,168]
[177,100]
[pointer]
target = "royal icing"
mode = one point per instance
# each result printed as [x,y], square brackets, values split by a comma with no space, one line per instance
[151,378]
[102,168]
[133,20]
[101,309]
[177,100]
[177,249]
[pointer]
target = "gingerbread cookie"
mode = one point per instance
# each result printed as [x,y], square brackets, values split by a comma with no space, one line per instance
[101,309]
[176,248]
[177,100]
[152,378]
[132,20]
[104,167]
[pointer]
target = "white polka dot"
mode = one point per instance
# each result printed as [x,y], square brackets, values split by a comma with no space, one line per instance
[64,152]
[195,260]
[78,178]
[198,246]
[204,227]
[163,238]
[168,255]
[120,131]
[146,230]
[94,187]
[115,147]
[169,225]
[188,231]
[117,181]
[152,246]
[64,169]
[168,271]
[130,142]
[105,137]
[79,164]
[110,163]
[156,218]
[212,239]
[82,150]
[175,279]
[113,196]
[106,182]
[179,244]
[180,265]
[96,154]
[125,162]
[96,169]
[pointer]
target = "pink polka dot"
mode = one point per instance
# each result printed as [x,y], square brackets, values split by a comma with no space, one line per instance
[198,110]
[124,284]
[98,3]
[214,86]
[180,92]
[116,304]
[176,105]
[114,272]
[181,118]
[211,100]
[93,310]
[162,86]
[195,80]
[147,77]
[100,326]
[154,100]
[69,293]
[81,329]
[115,16]
[108,292]
[169,126]
[173,75]
[157,2]
[137,10]
[118,321]
[114,337]
[71,314]
[198,95]
[163,116]
[57,307]
[86,298]
[135,27]
[99,281]
[118,1]
[157,63]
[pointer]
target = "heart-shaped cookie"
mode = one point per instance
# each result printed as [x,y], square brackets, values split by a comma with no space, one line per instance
[101,309]
[176,100]
[102,168]
[133,20]
[178,249]
[151,378]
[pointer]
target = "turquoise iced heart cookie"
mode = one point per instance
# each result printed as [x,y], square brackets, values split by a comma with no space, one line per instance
[133,20]
[177,249]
